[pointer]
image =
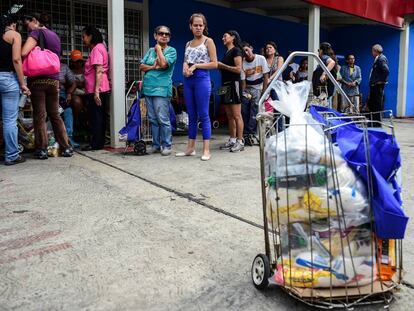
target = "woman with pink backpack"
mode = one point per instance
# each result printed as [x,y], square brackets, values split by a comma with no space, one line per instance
[44,86]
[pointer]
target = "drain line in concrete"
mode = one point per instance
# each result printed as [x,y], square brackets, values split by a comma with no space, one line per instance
[187,196]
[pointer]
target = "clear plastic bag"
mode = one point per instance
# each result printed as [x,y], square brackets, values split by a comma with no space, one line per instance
[316,202]
[310,259]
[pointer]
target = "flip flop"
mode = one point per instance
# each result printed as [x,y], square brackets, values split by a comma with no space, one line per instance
[183,154]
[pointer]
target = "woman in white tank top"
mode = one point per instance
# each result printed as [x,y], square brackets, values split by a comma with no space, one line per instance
[200,56]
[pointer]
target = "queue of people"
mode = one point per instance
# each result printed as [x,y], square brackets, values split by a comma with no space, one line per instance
[55,95]
[245,75]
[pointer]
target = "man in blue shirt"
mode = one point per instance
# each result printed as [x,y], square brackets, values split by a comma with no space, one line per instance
[158,66]
[350,80]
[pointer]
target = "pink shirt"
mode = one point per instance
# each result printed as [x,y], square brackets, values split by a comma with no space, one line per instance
[98,56]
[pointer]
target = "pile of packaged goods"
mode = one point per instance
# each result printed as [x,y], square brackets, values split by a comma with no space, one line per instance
[317,203]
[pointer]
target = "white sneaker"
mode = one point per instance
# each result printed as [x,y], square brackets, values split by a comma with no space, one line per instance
[166,151]
[153,150]
[228,145]
[237,147]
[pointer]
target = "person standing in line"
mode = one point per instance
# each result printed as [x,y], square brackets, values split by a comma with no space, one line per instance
[230,68]
[274,60]
[77,66]
[289,74]
[319,78]
[293,64]
[200,56]
[96,86]
[377,81]
[11,84]
[254,79]
[158,66]
[302,73]
[45,89]
[350,80]
[67,86]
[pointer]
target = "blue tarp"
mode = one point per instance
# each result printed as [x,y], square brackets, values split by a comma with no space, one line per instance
[390,220]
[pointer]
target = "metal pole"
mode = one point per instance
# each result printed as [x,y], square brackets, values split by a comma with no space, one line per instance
[262,134]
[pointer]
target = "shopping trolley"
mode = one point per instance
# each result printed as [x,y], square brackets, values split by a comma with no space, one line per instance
[320,245]
[137,130]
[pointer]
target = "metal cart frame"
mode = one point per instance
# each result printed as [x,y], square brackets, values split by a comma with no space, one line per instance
[145,135]
[381,291]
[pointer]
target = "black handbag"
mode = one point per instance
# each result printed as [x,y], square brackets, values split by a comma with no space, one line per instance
[223,90]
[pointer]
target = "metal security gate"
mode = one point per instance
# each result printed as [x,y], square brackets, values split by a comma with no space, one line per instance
[69,17]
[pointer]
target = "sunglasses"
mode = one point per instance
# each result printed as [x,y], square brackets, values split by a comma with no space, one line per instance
[160,33]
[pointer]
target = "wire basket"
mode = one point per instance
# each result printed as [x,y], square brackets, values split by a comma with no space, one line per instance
[319,229]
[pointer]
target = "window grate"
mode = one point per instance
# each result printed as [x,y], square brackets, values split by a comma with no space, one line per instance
[69,17]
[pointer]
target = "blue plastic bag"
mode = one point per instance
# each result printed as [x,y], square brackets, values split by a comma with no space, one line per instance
[390,219]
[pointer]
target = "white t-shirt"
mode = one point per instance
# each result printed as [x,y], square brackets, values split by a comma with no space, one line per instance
[253,71]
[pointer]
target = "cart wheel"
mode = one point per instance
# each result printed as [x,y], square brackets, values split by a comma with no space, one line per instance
[216,124]
[140,148]
[260,271]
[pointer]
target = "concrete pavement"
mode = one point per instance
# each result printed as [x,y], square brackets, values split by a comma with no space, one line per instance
[103,231]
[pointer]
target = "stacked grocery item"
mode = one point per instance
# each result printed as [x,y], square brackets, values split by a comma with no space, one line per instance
[316,202]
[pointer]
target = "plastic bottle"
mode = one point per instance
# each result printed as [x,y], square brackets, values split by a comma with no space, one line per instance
[22,101]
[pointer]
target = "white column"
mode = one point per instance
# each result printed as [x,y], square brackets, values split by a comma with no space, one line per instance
[117,63]
[313,36]
[403,70]
[146,31]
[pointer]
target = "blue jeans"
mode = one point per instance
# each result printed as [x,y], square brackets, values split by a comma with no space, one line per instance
[249,110]
[159,117]
[68,120]
[197,90]
[9,98]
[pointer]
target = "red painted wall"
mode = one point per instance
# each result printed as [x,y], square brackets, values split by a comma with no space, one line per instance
[390,12]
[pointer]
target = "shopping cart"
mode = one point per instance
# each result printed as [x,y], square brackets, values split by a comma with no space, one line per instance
[139,133]
[320,245]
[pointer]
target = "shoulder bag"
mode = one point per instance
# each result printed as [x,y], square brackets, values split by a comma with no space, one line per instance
[41,61]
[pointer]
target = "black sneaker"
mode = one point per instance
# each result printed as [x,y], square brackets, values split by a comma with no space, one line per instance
[19,159]
[67,153]
[248,141]
[41,154]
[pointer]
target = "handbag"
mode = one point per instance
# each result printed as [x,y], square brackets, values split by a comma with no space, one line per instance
[225,93]
[41,61]
[223,90]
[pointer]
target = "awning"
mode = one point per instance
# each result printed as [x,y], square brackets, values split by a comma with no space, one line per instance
[390,12]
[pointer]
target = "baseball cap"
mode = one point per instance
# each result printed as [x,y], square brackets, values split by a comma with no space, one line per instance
[76,55]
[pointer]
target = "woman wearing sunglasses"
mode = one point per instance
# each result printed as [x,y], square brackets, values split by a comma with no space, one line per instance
[158,66]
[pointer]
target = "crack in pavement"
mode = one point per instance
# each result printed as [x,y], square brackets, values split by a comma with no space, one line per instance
[189,196]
